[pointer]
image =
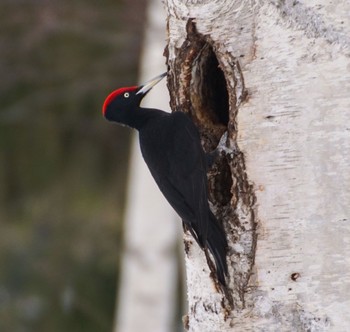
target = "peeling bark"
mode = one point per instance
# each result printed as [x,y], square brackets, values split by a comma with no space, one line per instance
[208,85]
[199,87]
[276,77]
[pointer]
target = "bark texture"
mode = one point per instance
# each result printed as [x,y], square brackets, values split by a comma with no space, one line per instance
[276,77]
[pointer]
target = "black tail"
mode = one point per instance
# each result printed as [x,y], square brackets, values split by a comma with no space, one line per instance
[217,245]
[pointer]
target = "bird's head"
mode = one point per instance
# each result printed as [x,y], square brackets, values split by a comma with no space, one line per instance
[124,100]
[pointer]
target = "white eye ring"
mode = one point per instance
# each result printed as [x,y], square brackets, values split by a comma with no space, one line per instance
[126,95]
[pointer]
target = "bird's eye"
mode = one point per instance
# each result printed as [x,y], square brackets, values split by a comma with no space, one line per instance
[126,94]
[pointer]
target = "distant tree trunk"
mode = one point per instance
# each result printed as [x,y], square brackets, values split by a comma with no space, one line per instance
[147,294]
[276,76]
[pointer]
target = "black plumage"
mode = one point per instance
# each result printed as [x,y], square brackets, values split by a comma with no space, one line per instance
[170,145]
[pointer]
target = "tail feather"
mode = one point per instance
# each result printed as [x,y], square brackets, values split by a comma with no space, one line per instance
[217,244]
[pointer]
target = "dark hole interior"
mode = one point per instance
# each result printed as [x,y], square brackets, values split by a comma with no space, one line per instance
[221,183]
[210,101]
[210,87]
[217,91]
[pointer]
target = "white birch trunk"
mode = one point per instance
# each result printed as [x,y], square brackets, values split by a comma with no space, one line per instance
[147,291]
[287,70]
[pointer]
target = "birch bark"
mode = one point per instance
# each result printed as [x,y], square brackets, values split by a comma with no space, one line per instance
[276,76]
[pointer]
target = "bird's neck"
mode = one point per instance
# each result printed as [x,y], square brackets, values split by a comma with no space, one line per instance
[141,116]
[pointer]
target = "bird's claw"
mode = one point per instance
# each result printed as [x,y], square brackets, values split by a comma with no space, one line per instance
[221,149]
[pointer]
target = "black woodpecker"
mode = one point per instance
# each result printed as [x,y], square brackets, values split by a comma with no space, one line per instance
[170,145]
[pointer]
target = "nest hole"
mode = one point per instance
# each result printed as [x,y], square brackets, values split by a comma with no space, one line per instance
[209,94]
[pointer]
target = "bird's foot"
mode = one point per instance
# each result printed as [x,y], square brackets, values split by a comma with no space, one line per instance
[221,149]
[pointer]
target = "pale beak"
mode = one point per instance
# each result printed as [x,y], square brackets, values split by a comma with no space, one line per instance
[145,88]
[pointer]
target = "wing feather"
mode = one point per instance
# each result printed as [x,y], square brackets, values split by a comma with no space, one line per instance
[178,165]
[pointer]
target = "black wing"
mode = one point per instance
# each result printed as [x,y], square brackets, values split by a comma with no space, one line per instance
[170,145]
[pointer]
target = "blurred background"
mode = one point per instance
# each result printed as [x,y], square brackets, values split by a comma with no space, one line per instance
[62,168]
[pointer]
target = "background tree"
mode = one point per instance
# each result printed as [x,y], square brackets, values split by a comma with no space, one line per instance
[276,76]
[62,168]
[149,287]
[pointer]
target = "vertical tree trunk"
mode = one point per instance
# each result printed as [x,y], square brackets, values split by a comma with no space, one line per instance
[276,77]
[147,294]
